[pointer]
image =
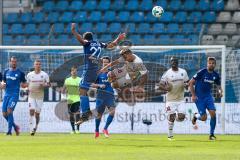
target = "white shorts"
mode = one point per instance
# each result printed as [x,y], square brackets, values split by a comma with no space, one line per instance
[35,104]
[173,107]
[122,77]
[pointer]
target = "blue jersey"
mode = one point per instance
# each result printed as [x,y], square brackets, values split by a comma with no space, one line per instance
[92,48]
[103,79]
[0,76]
[13,78]
[204,81]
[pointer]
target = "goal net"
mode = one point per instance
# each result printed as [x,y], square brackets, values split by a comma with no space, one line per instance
[57,61]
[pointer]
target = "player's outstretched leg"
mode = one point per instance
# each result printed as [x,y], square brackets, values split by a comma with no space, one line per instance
[97,124]
[171,119]
[72,123]
[212,124]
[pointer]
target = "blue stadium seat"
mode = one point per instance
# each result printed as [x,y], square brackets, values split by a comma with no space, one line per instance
[130,28]
[86,27]
[123,16]
[195,17]
[76,6]
[45,40]
[178,39]
[53,17]
[158,28]
[203,5]
[48,6]
[135,39]
[95,16]
[90,5]
[30,29]
[146,5]
[209,17]
[33,40]
[109,16]
[67,29]
[217,5]
[162,3]
[101,28]
[117,5]
[104,5]
[115,28]
[61,6]
[144,28]
[167,17]
[150,18]
[80,17]
[58,28]
[148,39]
[174,5]
[62,39]
[187,28]
[198,27]
[5,29]
[66,17]
[192,39]
[7,40]
[164,39]
[106,37]
[20,40]
[10,18]
[137,17]
[189,5]
[44,28]
[26,18]
[132,5]
[17,29]
[172,28]
[180,17]
[38,17]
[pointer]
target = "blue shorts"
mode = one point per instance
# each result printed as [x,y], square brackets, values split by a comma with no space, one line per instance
[88,77]
[103,102]
[205,103]
[9,102]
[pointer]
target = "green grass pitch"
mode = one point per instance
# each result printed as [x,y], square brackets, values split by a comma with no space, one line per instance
[118,147]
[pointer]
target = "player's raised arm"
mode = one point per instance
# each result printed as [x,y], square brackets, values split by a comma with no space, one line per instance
[77,35]
[120,37]
[113,63]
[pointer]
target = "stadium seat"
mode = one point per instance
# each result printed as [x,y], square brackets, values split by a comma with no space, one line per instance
[17,29]
[80,17]
[130,28]
[217,5]
[221,40]
[215,29]
[30,29]
[146,5]
[67,29]
[44,28]
[38,17]
[232,5]
[115,28]
[117,5]
[187,28]
[10,18]
[132,5]
[224,17]
[7,40]
[95,16]
[53,17]
[180,17]
[26,18]
[174,5]
[62,39]
[144,28]
[179,39]
[104,5]
[106,37]
[86,27]
[158,28]
[5,29]
[76,6]
[137,17]
[61,6]
[198,28]
[101,28]
[150,18]
[234,40]
[195,17]
[167,17]
[45,40]
[209,17]
[203,5]
[192,39]
[164,39]
[148,39]
[123,16]
[20,40]
[135,39]
[90,5]
[230,28]
[236,17]
[33,40]
[189,5]
[109,16]
[58,28]
[66,17]
[207,40]
[172,28]
[48,6]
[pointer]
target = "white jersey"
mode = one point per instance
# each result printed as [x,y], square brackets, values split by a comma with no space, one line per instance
[176,79]
[35,81]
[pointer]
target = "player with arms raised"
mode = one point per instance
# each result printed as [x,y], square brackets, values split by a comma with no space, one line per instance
[92,53]
[201,94]
[173,82]
[37,80]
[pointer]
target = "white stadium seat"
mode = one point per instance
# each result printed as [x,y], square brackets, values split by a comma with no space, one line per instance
[224,17]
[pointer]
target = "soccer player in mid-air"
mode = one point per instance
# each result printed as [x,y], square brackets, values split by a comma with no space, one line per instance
[13,78]
[105,98]
[92,54]
[173,81]
[71,87]
[201,94]
[37,80]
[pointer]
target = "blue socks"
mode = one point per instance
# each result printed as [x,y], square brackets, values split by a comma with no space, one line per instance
[10,122]
[14,125]
[212,125]
[97,123]
[109,121]
[84,103]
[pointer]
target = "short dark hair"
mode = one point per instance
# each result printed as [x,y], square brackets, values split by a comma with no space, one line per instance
[125,51]
[211,59]
[107,57]
[173,58]
[13,57]
[88,36]
[74,67]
